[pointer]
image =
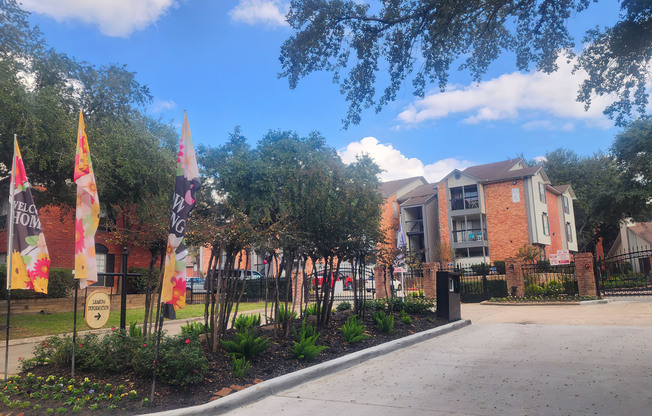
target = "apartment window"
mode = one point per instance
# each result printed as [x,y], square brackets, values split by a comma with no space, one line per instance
[542,192]
[565,203]
[464,197]
[3,258]
[395,209]
[544,221]
[569,232]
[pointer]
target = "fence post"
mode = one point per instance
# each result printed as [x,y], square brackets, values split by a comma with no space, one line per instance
[514,277]
[585,274]
[429,280]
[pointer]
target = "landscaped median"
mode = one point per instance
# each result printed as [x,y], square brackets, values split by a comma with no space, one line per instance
[113,372]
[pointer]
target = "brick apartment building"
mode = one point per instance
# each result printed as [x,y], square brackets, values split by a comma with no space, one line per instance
[487,212]
[59,229]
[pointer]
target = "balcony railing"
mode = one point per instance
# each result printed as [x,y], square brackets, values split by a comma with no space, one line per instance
[415,226]
[465,203]
[471,235]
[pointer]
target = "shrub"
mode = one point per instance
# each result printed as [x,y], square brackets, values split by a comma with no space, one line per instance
[54,350]
[305,348]
[416,306]
[135,331]
[533,290]
[353,330]
[570,287]
[405,318]
[376,305]
[193,330]
[116,350]
[246,345]
[500,266]
[138,284]
[480,269]
[181,361]
[384,322]
[60,285]
[553,288]
[240,367]
[496,288]
[244,322]
[343,306]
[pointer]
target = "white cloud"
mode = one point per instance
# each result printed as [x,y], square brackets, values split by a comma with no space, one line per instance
[508,96]
[162,105]
[269,12]
[113,18]
[398,166]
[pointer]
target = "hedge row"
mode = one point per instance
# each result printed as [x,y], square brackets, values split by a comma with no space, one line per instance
[60,285]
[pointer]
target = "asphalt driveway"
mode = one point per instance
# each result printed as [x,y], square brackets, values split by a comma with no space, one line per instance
[519,360]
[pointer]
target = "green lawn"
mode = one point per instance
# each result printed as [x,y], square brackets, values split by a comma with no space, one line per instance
[34,325]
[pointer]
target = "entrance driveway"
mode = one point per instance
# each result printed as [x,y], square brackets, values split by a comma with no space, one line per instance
[514,360]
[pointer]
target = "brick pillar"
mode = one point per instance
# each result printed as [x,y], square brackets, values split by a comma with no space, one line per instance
[514,276]
[379,283]
[297,288]
[585,274]
[430,279]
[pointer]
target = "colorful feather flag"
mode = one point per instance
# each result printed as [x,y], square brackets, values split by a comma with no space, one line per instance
[87,216]
[29,260]
[185,186]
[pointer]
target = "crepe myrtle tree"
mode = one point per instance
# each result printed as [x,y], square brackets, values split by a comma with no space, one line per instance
[420,41]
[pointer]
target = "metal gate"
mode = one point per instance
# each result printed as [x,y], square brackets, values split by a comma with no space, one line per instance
[627,274]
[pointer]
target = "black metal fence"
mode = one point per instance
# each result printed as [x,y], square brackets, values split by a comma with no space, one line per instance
[542,279]
[255,290]
[343,284]
[627,274]
[480,282]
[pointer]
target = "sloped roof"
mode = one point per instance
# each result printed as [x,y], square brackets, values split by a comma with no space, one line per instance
[643,230]
[391,187]
[419,195]
[491,171]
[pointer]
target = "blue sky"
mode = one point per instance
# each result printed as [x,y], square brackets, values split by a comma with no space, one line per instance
[219,61]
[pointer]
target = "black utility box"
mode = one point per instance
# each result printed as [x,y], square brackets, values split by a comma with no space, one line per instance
[448,296]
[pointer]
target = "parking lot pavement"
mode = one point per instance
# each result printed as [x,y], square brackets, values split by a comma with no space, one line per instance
[519,360]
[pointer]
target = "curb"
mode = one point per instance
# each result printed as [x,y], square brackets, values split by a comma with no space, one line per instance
[595,302]
[287,381]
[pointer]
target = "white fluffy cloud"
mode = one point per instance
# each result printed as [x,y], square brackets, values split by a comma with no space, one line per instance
[269,12]
[161,105]
[398,166]
[113,17]
[510,95]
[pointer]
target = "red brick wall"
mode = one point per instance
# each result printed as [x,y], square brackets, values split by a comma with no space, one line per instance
[507,228]
[59,230]
[556,228]
[442,200]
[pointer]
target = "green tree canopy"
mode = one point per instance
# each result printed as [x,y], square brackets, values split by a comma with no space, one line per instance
[422,40]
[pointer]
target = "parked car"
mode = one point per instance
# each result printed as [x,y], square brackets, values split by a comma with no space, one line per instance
[370,285]
[196,284]
[347,281]
[251,275]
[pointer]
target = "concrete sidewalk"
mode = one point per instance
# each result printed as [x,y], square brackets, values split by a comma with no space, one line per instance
[517,360]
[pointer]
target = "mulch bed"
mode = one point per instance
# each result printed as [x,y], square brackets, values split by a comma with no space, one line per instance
[275,361]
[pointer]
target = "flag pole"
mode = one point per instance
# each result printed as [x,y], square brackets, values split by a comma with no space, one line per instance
[10,250]
[74,330]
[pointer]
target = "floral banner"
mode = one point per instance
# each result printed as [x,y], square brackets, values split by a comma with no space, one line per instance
[186,184]
[30,261]
[87,216]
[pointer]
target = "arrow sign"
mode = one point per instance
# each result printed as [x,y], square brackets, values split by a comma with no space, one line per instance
[97,310]
[98,316]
